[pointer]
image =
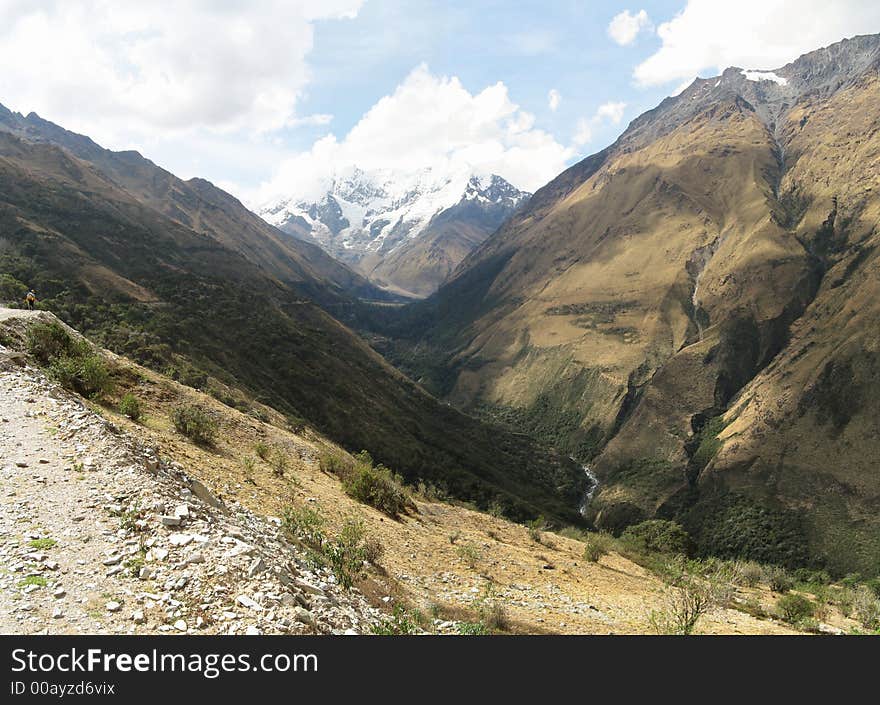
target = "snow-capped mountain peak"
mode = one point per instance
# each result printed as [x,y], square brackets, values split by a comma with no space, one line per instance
[361,212]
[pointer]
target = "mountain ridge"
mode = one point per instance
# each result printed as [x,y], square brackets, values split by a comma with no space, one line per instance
[404,230]
[656,286]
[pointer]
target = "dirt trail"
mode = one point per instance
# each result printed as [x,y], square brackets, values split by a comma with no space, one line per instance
[98,535]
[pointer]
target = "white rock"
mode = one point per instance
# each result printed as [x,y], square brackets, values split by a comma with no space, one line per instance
[180,625]
[179,539]
[252,631]
[113,606]
[157,554]
[248,602]
[138,617]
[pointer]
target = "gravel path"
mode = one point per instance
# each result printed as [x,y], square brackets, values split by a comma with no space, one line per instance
[98,535]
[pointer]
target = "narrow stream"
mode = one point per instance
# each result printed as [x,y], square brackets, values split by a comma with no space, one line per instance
[591,489]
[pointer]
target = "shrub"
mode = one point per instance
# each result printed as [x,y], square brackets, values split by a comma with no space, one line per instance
[749,573]
[866,607]
[597,545]
[794,608]
[400,623]
[492,612]
[49,341]
[194,423]
[657,536]
[688,599]
[130,406]
[535,527]
[71,361]
[346,553]
[470,554]
[279,462]
[371,484]
[248,464]
[262,450]
[779,579]
[86,375]
[373,550]
[304,524]
[472,629]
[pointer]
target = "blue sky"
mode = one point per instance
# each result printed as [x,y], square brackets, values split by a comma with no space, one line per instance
[530,46]
[268,97]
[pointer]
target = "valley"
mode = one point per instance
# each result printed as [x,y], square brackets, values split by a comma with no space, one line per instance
[642,399]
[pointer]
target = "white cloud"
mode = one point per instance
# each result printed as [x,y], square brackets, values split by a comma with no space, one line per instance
[751,34]
[454,130]
[583,133]
[611,112]
[554,98]
[625,27]
[316,119]
[125,73]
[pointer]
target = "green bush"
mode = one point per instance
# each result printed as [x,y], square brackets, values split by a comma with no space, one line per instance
[687,599]
[470,554]
[346,553]
[866,607]
[279,462]
[535,527]
[400,623]
[71,361]
[780,580]
[371,484]
[472,629]
[262,450]
[304,524]
[130,406]
[49,341]
[597,545]
[794,608]
[194,423]
[657,536]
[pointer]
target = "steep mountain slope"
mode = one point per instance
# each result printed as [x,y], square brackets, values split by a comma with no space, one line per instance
[200,206]
[712,272]
[93,487]
[406,231]
[192,302]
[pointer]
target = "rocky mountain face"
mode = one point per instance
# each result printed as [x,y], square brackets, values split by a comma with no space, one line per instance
[181,277]
[405,231]
[695,311]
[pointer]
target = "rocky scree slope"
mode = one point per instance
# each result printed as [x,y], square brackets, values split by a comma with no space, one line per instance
[694,309]
[98,535]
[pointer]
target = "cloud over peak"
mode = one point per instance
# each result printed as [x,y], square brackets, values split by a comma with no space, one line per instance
[752,34]
[455,130]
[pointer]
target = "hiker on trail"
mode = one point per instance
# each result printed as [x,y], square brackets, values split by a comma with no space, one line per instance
[31,299]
